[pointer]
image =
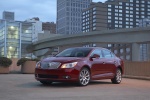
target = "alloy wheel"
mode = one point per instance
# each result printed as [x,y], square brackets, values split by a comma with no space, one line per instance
[84,77]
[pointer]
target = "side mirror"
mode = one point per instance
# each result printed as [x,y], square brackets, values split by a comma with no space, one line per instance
[94,56]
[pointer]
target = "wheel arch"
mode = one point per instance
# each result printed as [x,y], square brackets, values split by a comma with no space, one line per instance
[86,66]
[119,67]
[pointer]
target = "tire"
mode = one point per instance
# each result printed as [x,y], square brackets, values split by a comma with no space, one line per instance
[46,82]
[84,77]
[118,77]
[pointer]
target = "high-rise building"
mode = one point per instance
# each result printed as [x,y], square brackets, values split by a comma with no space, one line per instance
[95,17]
[114,14]
[69,15]
[8,15]
[144,22]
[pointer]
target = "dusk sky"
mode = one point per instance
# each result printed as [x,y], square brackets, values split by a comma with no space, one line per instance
[24,9]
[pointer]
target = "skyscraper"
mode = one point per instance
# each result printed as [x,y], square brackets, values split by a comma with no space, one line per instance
[8,15]
[69,15]
[114,14]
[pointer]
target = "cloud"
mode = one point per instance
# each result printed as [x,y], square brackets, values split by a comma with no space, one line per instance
[24,9]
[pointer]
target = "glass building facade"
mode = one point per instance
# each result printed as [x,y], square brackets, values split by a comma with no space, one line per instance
[69,15]
[14,38]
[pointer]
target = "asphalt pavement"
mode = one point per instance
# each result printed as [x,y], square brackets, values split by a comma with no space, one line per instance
[25,87]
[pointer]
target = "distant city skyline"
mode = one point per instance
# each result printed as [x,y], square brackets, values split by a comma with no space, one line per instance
[25,9]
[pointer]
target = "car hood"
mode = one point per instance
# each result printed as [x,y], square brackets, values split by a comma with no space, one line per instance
[62,59]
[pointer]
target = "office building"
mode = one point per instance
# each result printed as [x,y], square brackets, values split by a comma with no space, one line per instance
[69,15]
[115,14]
[49,26]
[94,18]
[15,36]
[8,15]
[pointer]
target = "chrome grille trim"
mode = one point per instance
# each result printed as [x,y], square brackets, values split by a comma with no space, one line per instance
[50,65]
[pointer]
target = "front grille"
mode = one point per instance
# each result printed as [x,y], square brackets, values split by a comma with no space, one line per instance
[50,65]
[47,76]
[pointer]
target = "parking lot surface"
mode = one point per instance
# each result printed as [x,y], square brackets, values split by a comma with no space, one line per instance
[25,87]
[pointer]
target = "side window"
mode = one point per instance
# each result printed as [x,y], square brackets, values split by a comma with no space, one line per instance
[107,54]
[98,52]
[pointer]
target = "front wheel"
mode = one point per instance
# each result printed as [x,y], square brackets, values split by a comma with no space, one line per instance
[84,77]
[118,77]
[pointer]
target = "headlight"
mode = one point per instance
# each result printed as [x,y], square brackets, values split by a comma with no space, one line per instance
[69,65]
[38,64]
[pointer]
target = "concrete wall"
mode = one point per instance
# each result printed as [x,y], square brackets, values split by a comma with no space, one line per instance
[137,69]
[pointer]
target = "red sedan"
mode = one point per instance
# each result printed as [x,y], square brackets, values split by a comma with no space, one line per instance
[80,64]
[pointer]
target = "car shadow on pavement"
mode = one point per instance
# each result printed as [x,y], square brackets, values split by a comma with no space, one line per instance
[58,84]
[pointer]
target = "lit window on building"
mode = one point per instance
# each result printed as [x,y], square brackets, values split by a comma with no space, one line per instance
[94,8]
[116,17]
[94,16]
[131,4]
[137,12]
[94,24]
[94,28]
[120,3]
[137,5]
[94,20]
[109,21]
[131,12]
[137,1]
[120,22]
[120,14]
[137,9]
[109,5]
[116,21]
[116,25]
[127,8]
[109,13]
[131,0]
[116,14]
[109,9]
[94,12]
[142,1]
[120,26]
[127,4]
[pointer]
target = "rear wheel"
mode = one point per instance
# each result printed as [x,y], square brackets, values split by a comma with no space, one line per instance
[118,77]
[84,77]
[46,82]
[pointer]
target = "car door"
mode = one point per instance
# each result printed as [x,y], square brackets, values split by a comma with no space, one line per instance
[109,62]
[97,64]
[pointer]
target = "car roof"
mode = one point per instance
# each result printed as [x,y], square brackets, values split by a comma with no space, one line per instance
[90,47]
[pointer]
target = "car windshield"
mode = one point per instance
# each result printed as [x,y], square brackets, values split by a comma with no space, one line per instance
[75,52]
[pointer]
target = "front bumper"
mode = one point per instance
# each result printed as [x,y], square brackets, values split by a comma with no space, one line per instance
[56,75]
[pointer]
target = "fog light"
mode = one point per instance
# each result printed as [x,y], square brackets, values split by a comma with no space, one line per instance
[66,77]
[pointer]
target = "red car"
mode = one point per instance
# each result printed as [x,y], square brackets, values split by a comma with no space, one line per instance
[81,65]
